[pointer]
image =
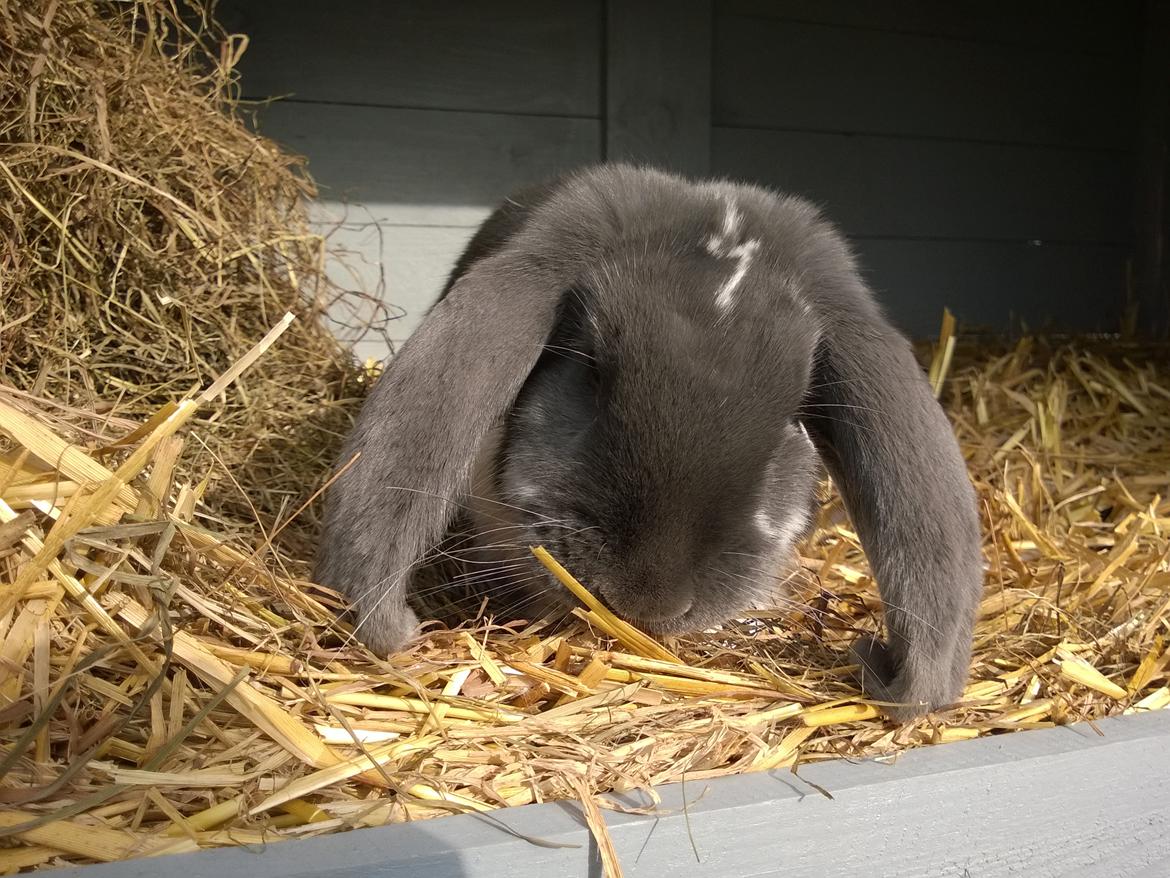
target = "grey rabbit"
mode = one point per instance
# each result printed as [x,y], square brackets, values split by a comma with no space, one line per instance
[641,372]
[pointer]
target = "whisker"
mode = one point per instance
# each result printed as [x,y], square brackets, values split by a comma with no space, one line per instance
[836,405]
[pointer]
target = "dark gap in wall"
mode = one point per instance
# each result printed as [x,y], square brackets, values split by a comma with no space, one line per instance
[260,99]
[603,75]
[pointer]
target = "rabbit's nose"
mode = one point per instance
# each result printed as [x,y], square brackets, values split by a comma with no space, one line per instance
[638,603]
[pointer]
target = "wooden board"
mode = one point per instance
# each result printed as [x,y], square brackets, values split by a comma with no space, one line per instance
[951,189]
[1087,26]
[428,167]
[508,56]
[986,283]
[658,83]
[404,266]
[801,76]
[1064,801]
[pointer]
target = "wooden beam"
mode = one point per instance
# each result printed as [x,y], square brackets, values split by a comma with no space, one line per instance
[1072,800]
[658,83]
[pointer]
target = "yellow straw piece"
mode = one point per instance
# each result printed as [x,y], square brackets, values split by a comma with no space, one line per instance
[941,363]
[784,753]
[1080,671]
[846,713]
[310,783]
[12,860]
[619,629]
[656,666]
[691,686]
[71,461]
[415,705]
[429,793]
[1147,667]
[772,714]
[1156,700]
[95,842]
[481,655]
[1029,712]
[209,818]
[946,734]
[305,812]
[594,819]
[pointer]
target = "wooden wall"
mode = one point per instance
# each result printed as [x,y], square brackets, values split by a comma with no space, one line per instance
[979,155]
[418,117]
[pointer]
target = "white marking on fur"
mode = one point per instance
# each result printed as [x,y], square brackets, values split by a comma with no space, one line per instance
[731,217]
[723,246]
[795,522]
[742,254]
[785,533]
[801,302]
[764,523]
[526,492]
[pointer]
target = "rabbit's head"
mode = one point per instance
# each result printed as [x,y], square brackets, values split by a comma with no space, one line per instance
[655,448]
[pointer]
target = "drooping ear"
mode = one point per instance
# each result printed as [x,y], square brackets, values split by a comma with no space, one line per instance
[419,431]
[892,453]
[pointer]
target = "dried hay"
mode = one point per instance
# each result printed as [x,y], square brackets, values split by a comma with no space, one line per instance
[173,688]
[147,239]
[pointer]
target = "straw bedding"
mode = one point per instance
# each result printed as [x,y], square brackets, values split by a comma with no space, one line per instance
[169,687]
[170,679]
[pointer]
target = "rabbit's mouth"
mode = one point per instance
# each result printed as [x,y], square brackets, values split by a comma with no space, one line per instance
[676,624]
[693,619]
[684,623]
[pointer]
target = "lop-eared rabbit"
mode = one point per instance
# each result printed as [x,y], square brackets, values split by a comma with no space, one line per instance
[642,373]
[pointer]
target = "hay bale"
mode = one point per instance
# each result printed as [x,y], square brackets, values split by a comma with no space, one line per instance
[150,238]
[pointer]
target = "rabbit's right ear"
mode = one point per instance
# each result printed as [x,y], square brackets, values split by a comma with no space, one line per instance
[893,454]
[420,430]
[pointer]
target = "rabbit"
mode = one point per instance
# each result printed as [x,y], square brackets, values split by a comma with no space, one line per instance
[644,373]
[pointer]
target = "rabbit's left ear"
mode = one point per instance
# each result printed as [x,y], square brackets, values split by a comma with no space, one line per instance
[892,453]
[420,430]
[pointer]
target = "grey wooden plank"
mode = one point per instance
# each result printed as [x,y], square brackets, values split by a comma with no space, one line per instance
[428,167]
[1073,25]
[1071,287]
[510,56]
[1061,801]
[874,185]
[658,83]
[986,284]
[794,75]
[404,267]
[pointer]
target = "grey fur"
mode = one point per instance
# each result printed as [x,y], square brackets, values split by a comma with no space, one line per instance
[624,359]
